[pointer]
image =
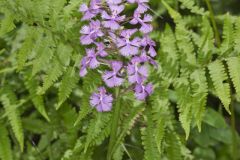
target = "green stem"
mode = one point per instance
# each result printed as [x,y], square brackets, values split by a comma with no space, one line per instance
[217,35]
[233,124]
[115,122]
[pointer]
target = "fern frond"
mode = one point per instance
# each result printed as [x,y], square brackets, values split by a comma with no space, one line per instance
[228,36]
[191,5]
[9,102]
[222,88]
[127,125]
[95,127]
[184,103]
[206,43]
[26,48]
[118,154]
[7,24]
[54,72]
[31,85]
[148,140]
[233,69]
[67,85]
[200,91]
[169,56]
[5,145]
[237,36]
[44,54]
[173,146]
[185,45]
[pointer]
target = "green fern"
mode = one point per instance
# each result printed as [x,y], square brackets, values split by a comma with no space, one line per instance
[31,85]
[173,146]
[68,83]
[26,49]
[237,36]
[184,103]
[228,36]
[5,145]
[169,54]
[127,125]
[44,55]
[54,72]
[200,91]
[9,102]
[190,4]
[95,127]
[7,23]
[148,140]
[234,68]
[222,88]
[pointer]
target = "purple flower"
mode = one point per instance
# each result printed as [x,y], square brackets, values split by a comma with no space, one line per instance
[92,11]
[142,6]
[145,27]
[100,50]
[149,59]
[148,42]
[101,100]
[114,1]
[91,32]
[141,91]
[128,47]
[111,78]
[111,21]
[137,72]
[90,60]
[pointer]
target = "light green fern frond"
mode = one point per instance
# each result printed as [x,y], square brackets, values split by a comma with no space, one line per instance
[7,24]
[237,36]
[5,144]
[9,102]
[43,54]
[184,102]
[68,83]
[169,54]
[192,6]
[222,88]
[95,127]
[31,85]
[150,146]
[200,91]
[234,72]
[53,73]
[173,146]
[228,36]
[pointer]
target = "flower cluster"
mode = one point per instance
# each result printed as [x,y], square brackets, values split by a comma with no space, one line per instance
[120,42]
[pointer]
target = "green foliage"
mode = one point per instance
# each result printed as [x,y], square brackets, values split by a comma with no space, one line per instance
[9,101]
[5,147]
[45,104]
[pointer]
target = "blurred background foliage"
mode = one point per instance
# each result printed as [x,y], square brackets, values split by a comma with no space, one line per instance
[45,113]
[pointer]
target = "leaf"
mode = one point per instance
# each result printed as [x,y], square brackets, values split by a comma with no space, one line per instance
[7,23]
[31,85]
[200,92]
[5,144]
[9,102]
[234,68]
[222,88]
[68,83]
[228,34]
[53,73]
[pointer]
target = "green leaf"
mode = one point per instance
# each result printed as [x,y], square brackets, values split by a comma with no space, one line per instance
[68,83]
[9,102]
[222,88]
[5,144]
